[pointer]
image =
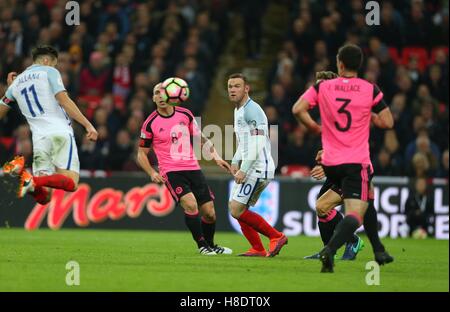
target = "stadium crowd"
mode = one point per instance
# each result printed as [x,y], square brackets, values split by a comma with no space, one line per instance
[111,61]
[406,56]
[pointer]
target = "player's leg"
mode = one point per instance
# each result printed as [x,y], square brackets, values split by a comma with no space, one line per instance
[179,186]
[15,168]
[204,198]
[209,228]
[257,248]
[371,229]
[327,215]
[328,218]
[54,151]
[246,195]
[355,188]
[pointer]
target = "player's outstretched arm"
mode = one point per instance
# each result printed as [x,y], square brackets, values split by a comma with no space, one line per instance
[4,101]
[383,119]
[144,163]
[4,109]
[300,111]
[72,110]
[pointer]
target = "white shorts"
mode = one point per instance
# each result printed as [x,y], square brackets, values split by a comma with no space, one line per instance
[248,193]
[55,151]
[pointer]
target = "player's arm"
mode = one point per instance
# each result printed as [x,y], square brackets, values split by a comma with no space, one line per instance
[4,109]
[317,172]
[7,99]
[144,163]
[145,144]
[73,111]
[383,119]
[60,93]
[307,100]
[381,114]
[300,111]
[236,158]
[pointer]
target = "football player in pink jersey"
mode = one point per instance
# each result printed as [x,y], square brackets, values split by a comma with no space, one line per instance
[329,197]
[169,130]
[346,105]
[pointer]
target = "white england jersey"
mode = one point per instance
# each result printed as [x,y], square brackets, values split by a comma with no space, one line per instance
[248,119]
[34,92]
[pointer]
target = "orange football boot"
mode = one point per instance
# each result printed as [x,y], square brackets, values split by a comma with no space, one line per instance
[253,253]
[14,167]
[276,244]
[26,184]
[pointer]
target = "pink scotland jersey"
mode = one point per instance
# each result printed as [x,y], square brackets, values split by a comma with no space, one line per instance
[171,138]
[345,106]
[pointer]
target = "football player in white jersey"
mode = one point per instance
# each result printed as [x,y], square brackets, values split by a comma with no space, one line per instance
[256,169]
[41,97]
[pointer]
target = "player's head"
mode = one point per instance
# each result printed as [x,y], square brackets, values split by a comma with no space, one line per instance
[157,99]
[238,87]
[349,58]
[325,75]
[45,55]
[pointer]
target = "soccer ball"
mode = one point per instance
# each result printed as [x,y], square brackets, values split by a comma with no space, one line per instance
[174,91]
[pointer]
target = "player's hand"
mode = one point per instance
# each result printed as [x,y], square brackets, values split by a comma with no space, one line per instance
[224,165]
[234,169]
[318,173]
[319,156]
[91,133]
[11,77]
[157,178]
[239,177]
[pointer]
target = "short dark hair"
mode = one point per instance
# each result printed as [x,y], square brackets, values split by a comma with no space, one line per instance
[352,56]
[44,50]
[238,75]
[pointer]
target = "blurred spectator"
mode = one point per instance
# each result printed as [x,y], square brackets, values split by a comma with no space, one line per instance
[424,146]
[420,166]
[121,77]
[419,207]
[298,151]
[252,15]
[120,151]
[121,49]
[94,79]
[443,171]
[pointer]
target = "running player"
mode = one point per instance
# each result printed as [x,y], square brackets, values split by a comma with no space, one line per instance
[327,218]
[346,105]
[169,131]
[256,170]
[41,97]
[329,198]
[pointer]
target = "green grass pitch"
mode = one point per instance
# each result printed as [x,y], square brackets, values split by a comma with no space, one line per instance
[168,261]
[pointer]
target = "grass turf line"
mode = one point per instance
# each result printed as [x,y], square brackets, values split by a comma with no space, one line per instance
[168,261]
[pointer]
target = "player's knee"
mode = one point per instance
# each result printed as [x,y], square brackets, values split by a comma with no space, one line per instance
[322,208]
[210,216]
[235,210]
[75,186]
[190,207]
